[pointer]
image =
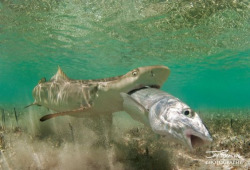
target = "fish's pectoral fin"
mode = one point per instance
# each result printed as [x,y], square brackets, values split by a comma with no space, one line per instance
[137,111]
[49,116]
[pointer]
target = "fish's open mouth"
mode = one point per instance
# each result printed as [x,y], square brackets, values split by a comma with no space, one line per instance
[143,87]
[196,141]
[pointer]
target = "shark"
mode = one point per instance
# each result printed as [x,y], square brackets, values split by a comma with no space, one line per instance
[93,97]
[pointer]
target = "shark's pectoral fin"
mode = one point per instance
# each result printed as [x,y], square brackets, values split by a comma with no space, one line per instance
[135,109]
[49,116]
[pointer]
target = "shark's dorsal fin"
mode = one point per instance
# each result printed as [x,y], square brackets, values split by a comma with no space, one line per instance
[60,75]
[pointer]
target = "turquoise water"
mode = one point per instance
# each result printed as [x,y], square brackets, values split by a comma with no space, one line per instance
[205,44]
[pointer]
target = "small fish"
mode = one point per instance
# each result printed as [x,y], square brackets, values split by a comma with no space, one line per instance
[166,115]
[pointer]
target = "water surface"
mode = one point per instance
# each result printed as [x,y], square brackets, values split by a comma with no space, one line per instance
[205,44]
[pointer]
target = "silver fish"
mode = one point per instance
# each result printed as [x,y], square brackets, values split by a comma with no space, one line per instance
[166,115]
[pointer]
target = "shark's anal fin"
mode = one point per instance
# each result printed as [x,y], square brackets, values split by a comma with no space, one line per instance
[49,116]
[135,109]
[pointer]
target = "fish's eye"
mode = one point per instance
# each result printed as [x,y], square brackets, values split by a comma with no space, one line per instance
[134,73]
[188,113]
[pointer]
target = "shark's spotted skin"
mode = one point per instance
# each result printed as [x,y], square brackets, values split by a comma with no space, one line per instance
[94,97]
[62,95]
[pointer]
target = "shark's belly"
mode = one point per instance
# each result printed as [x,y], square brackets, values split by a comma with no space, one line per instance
[107,102]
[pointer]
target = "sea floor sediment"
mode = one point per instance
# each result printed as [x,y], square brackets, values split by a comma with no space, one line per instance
[73,143]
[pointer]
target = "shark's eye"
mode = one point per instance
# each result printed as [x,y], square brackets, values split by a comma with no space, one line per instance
[134,73]
[188,113]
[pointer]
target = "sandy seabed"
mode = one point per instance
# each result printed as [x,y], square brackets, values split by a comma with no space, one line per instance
[82,143]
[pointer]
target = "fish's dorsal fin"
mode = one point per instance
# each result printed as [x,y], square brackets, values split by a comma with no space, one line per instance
[60,75]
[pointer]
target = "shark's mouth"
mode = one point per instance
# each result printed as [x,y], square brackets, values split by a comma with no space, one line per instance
[143,87]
